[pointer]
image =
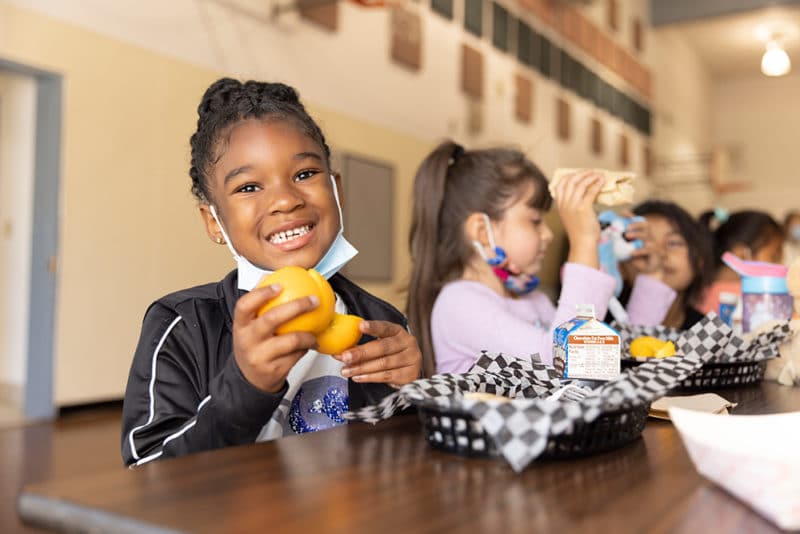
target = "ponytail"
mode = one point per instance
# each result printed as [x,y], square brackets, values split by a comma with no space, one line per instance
[450,185]
[426,282]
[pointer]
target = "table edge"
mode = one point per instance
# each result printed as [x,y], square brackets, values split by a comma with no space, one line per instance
[63,516]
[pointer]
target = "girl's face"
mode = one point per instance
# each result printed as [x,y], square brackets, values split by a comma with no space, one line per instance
[272,190]
[674,251]
[524,234]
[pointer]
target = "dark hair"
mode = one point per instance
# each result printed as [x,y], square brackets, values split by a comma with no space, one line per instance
[753,229]
[228,101]
[450,185]
[698,240]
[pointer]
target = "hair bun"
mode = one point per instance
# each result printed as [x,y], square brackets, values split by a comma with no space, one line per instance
[218,95]
[282,93]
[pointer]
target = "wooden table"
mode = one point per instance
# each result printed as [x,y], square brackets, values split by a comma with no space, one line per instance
[358,478]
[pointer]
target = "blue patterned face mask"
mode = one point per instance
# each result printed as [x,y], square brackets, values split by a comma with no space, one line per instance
[518,284]
[337,256]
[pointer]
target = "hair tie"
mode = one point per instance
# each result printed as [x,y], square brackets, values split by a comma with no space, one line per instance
[721,215]
[458,150]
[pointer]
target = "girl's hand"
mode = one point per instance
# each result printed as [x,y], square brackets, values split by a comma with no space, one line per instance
[637,229]
[648,259]
[393,358]
[264,357]
[575,196]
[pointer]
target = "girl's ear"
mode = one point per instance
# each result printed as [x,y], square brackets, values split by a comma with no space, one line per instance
[475,229]
[212,228]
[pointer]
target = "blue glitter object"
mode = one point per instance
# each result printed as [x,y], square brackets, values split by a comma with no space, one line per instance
[318,405]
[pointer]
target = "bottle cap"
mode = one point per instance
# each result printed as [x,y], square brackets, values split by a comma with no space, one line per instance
[764,284]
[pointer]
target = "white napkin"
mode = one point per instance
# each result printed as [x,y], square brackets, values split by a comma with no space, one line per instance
[754,457]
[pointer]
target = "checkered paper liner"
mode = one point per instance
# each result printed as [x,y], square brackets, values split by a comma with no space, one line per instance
[732,348]
[520,429]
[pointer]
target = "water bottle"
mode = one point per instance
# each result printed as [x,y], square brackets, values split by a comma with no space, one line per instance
[765,294]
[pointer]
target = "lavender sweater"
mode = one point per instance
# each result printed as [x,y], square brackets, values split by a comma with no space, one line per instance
[469,317]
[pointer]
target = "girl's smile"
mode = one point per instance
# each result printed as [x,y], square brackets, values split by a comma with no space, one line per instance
[292,235]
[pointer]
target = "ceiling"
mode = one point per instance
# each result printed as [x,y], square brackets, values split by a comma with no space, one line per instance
[733,45]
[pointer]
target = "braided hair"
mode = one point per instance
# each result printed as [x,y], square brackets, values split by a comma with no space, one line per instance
[228,101]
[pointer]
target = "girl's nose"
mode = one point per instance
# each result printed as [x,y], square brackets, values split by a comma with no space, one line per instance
[284,198]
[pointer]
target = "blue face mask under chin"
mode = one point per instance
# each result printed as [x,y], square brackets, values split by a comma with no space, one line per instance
[339,253]
[520,284]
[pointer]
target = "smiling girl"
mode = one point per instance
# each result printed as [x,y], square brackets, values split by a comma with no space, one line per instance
[209,371]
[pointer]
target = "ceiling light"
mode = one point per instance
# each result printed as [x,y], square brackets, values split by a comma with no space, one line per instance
[775,61]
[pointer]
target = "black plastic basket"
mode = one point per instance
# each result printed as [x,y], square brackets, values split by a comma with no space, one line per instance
[725,375]
[458,432]
[717,375]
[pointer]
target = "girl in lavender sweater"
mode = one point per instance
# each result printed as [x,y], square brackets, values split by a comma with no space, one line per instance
[478,238]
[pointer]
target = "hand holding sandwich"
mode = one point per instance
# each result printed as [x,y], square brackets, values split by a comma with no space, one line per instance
[575,196]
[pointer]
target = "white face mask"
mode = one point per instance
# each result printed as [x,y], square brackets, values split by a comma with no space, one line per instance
[337,256]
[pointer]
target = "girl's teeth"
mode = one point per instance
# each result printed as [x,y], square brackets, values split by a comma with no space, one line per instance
[288,235]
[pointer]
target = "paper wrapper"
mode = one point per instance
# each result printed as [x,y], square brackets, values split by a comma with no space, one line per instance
[704,402]
[732,348]
[543,405]
[754,457]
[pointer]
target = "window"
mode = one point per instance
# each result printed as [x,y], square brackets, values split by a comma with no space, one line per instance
[473,16]
[500,27]
[443,8]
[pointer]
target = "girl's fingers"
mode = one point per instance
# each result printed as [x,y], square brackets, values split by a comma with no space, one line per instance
[581,187]
[379,365]
[403,375]
[266,324]
[280,366]
[562,186]
[374,349]
[381,329]
[248,304]
[638,229]
[294,344]
[593,189]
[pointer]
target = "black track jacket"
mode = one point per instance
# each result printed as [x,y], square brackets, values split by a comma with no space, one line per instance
[185,392]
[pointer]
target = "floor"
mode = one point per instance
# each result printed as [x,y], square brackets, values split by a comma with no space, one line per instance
[78,442]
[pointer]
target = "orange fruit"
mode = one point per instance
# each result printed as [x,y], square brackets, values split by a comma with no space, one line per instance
[299,283]
[667,350]
[645,346]
[342,334]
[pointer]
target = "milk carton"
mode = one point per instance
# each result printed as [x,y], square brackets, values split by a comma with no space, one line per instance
[585,348]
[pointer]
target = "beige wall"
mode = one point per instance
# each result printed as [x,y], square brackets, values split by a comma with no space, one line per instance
[759,119]
[683,110]
[17,134]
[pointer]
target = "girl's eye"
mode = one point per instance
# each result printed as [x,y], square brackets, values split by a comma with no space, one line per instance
[536,222]
[676,244]
[248,188]
[305,175]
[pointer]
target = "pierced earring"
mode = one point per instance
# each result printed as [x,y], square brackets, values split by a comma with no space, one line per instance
[218,240]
